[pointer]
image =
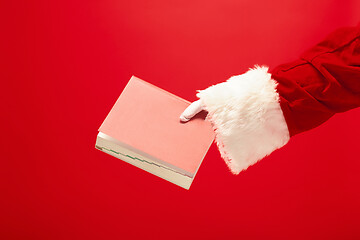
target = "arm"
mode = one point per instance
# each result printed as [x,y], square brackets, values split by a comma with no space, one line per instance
[257,112]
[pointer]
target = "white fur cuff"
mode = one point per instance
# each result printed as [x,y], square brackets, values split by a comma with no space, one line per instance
[247,118]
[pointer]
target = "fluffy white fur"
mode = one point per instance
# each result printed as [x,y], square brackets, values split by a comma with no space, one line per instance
[246,116]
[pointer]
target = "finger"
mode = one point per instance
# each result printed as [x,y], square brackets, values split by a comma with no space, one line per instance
[191,111]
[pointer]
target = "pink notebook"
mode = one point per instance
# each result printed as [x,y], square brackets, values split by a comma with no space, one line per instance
[143,129]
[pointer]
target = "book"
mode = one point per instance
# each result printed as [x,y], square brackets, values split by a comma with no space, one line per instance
[143,128]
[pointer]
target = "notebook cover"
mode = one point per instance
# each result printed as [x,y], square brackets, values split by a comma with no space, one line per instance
[147,118]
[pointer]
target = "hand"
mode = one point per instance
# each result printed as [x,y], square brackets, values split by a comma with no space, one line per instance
[193,109]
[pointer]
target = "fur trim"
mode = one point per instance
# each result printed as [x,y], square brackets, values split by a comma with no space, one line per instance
[247,118]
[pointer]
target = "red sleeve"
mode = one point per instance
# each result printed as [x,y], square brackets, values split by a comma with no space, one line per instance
[324,81]
[255,113]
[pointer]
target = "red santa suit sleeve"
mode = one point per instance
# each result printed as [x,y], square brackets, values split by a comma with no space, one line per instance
[257,112]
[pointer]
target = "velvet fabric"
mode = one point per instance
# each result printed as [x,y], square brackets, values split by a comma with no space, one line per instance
[323,82]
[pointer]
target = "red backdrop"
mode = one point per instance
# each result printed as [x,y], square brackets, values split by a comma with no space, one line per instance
[63,65]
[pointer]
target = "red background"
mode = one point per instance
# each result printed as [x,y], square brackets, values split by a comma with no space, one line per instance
[63,65]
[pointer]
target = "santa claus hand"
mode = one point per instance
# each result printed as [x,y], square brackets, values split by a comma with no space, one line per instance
[191,111]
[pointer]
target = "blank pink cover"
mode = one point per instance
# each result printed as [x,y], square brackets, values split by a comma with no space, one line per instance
[147,118]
